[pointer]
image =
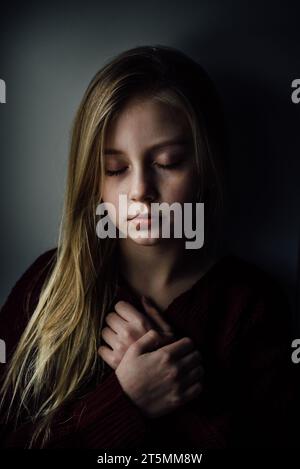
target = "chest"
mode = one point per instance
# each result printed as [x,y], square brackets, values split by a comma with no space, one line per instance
[164,297]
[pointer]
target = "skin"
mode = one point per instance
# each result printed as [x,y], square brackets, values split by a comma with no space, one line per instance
[158,268]
[158,371]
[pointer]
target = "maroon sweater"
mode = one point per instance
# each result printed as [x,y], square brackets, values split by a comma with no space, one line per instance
[239,320]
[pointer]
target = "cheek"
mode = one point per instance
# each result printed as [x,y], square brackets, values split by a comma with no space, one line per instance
[110,191]
[181,188]
[110,194]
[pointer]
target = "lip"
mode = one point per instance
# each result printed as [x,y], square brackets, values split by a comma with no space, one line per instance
[144,220]
[141,217]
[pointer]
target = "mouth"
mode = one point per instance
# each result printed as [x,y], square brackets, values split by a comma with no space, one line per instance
[144,221]
[145,216]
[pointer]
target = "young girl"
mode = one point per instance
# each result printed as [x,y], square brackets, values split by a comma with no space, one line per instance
[116,342]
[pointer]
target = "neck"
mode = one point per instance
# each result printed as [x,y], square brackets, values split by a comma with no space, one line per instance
[160,265]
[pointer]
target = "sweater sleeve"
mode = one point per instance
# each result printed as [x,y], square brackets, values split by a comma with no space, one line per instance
[103,417]
[107,418]
[266,387]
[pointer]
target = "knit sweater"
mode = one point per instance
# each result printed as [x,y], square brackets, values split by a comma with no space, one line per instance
[239,320]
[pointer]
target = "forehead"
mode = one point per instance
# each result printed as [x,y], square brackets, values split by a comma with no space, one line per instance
[145,121]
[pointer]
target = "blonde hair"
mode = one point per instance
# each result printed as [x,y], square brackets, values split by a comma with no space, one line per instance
[57,353]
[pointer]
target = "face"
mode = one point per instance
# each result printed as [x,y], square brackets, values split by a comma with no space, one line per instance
[148,158]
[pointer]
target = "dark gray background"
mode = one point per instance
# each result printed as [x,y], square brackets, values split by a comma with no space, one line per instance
[49,53]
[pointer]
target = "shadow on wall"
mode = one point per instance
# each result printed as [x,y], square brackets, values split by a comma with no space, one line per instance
[262,223]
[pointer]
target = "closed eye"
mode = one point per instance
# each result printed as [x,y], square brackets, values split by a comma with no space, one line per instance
[115,173]
[161,166]
[168,166]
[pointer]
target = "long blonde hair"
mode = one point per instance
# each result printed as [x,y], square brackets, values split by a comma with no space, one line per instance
[57,353]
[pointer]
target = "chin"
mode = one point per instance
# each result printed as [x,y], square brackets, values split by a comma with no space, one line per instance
[145,238]
[146,241]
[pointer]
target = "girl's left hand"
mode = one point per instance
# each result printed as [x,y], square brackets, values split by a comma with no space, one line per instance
[126,325]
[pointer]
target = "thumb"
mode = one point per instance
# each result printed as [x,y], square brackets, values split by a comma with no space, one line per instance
[156,316]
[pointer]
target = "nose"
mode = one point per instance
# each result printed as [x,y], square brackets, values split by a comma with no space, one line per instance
[143,186]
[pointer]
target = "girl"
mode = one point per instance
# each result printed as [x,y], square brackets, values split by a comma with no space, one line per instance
[137,340]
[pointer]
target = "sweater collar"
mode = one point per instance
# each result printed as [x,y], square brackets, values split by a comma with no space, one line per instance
[199,291]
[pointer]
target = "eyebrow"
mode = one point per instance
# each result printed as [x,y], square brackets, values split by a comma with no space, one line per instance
[178,141]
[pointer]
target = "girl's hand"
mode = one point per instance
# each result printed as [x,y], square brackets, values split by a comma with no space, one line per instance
[126,325]
[159,379]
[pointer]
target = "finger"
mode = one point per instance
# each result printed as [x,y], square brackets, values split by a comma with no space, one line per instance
[194,375]
[180,347]
[149,342]
[156,316]
[109,336]
[192,392]
[115,322]
[190,360]
[128,312]
[107,355]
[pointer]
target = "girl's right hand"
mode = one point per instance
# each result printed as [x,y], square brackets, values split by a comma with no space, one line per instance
[158,379]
